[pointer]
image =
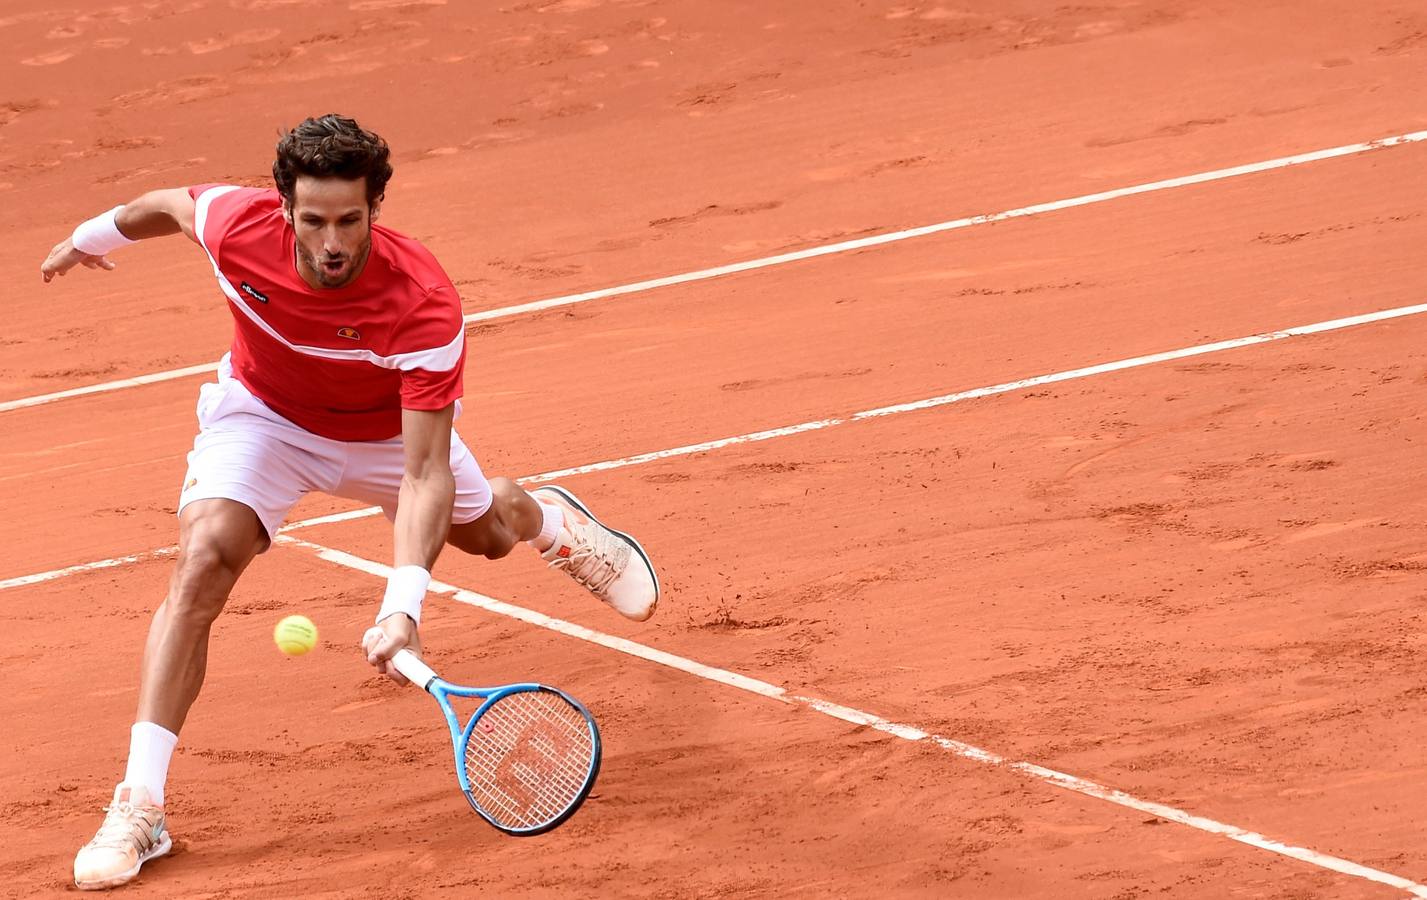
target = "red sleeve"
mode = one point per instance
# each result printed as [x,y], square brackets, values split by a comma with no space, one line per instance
[435,332]
[219,208]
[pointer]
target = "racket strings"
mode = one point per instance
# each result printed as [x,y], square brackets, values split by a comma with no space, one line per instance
[528,758]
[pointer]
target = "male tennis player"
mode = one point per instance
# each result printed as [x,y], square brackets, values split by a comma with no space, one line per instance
[344,377]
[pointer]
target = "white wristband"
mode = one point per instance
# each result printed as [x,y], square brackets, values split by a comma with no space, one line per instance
[100,235]
[405,590]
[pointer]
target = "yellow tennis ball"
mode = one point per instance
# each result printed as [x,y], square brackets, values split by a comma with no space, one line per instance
[295,635]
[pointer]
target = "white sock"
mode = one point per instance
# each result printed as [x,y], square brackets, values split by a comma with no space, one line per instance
[554,517]
[150,748]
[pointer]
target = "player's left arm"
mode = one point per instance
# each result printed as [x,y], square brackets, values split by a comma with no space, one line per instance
[155,214]
[423,518]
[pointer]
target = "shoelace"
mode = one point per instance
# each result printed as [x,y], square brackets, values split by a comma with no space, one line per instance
[593,570]
[118,828]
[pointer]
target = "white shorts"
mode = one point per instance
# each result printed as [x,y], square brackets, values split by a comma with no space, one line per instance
[246,452]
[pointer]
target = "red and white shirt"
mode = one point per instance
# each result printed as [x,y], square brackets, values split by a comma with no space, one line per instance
[342,362]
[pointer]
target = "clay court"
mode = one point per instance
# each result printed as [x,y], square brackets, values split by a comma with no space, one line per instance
[1096,631]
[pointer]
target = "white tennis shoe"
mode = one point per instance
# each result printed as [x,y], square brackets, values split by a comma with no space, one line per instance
[609,564]
[132,834]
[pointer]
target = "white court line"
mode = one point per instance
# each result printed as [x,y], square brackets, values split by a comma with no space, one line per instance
[809,253]
[51,575]
[860,718]
[818,424]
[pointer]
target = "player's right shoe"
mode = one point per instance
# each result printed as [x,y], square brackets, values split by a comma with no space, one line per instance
[132,834]
[609,564]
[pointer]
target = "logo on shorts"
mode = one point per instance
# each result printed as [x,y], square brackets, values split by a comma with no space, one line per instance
[254,292]
[190,484]
[349,333]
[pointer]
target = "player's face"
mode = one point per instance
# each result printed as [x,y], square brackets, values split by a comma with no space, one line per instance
[333,225]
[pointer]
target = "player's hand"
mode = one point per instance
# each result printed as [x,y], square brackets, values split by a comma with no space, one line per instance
[64,257]
[381,642]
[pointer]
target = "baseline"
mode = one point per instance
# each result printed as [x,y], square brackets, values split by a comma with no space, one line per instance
[794,256]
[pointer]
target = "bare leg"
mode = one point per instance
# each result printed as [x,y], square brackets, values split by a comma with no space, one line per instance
[514,516]
[217,540]
[608,563]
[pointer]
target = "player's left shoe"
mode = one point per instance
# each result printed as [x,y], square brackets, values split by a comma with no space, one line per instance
[132,834]
[609,564]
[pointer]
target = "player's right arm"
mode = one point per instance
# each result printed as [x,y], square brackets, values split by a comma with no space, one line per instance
[154,214]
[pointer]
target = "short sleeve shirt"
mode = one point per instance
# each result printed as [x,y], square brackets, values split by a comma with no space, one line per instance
[341,362]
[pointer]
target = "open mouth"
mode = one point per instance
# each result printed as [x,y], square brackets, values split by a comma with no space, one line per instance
[334,266]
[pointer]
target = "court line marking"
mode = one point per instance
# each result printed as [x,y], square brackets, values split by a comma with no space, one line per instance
[858,717]
[797,255]
[815,425]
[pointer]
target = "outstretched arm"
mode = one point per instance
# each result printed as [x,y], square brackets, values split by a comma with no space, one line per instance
[423,519]
[155,214]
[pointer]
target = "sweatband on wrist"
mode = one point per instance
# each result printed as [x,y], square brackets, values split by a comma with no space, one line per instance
[100,235]
[405,590]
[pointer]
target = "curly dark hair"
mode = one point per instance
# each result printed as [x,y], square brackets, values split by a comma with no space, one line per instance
[332,146]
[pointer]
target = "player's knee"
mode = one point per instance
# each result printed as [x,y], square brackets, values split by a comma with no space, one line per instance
[201,581]
[497,536]
[495,533]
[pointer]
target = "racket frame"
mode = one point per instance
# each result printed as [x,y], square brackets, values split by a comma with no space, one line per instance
[424,677]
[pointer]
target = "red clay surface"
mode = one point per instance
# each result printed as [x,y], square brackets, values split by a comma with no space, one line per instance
[1199,582]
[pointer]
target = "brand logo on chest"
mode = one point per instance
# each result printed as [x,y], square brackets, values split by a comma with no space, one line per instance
[253,292]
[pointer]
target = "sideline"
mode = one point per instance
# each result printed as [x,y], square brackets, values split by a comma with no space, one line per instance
[815,425]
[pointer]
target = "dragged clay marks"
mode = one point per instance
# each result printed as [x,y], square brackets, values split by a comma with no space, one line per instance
[1178,129]
[1293,237]
[714,210]
[1206,514]
[1392,569]
[1196,124]
[714,97]
[712,93]
[535,269]
[575,6]
[709,95]
[400,5]
[1204,497]
[1373,646]
[851,157]
[10,110]
[1143,517]
[982,33]
[1411,37]
[754,384]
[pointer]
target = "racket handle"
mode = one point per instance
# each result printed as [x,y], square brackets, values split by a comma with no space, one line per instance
[416,671]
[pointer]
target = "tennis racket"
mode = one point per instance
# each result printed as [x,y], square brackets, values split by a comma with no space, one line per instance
[528,757]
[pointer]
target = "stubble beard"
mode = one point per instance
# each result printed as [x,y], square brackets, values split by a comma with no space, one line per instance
[314,265]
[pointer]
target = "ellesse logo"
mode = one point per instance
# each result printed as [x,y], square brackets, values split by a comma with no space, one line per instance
[254,292]
[349,333]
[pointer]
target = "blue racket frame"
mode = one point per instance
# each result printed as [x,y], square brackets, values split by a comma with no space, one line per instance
[424,677]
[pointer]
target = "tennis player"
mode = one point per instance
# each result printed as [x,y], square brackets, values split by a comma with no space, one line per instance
[344,376]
